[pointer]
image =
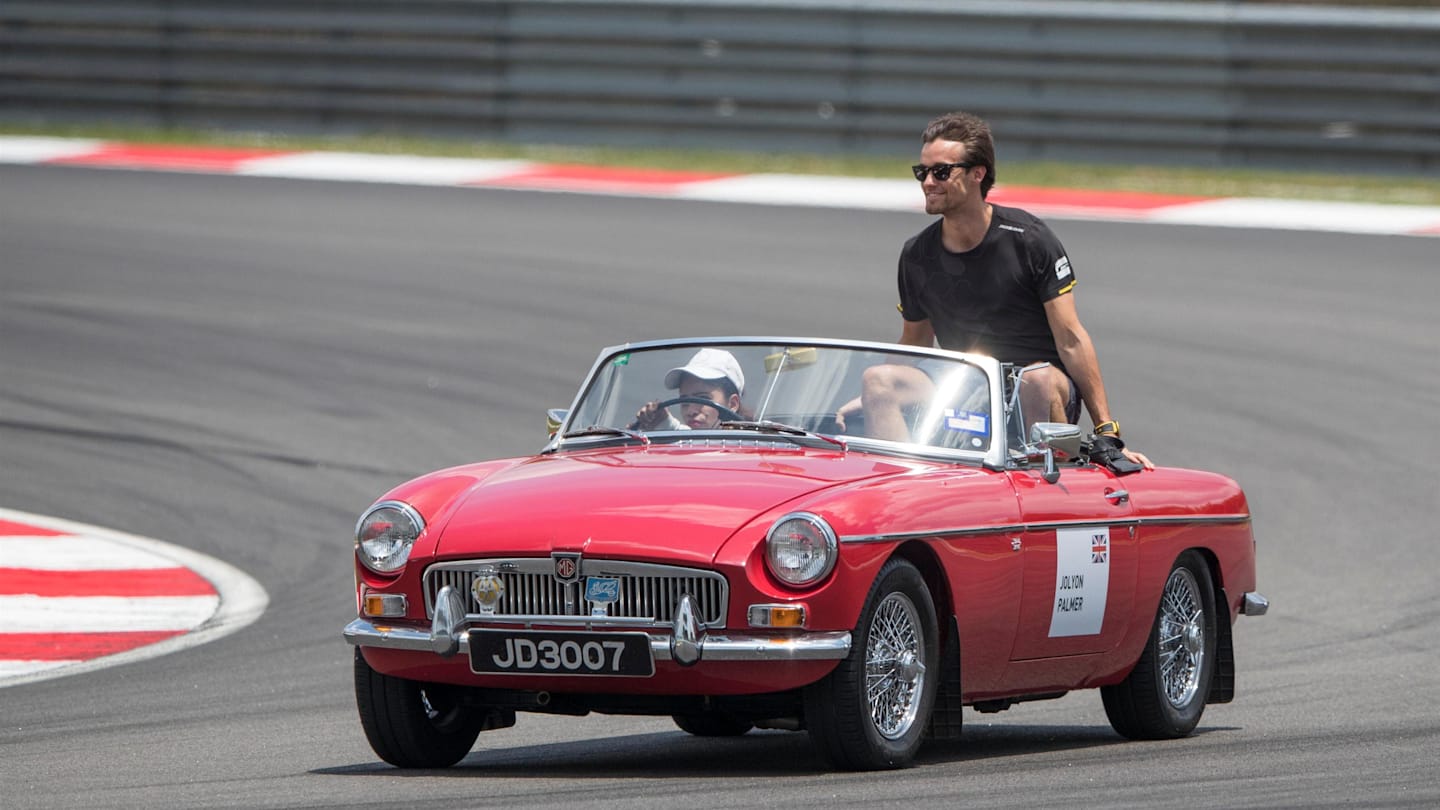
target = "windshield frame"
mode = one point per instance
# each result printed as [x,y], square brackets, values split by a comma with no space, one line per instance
[995,456]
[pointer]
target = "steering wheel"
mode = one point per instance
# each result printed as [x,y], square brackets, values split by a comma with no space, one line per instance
[726,414]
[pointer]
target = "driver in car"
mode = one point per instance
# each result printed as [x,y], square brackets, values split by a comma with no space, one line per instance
[712,375]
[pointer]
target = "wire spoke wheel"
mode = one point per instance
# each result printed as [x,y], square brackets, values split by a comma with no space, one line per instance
[894,669]
[1181,638]
[1165,694]
[872,710]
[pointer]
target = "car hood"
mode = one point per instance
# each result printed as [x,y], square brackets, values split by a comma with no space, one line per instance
[669,503]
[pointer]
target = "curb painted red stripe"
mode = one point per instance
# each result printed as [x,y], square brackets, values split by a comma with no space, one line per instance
[173,158]
[76,646]
[9,528]
[563,176]
[108,582]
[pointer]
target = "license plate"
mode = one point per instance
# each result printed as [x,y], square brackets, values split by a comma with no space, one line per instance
[555,652]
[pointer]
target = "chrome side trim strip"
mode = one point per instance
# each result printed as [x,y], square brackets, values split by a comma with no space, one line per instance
[820,646]
[1210,519]
[971,531]
[967,531]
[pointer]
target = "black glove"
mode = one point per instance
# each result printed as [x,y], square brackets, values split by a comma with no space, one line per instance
[1106,449]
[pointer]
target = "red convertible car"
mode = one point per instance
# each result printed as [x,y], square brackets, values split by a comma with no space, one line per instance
[714,533]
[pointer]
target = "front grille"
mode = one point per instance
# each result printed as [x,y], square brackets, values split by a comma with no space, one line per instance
[647,591]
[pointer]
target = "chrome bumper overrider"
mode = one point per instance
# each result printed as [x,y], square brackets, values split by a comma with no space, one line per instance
[687,642]
[1254,604]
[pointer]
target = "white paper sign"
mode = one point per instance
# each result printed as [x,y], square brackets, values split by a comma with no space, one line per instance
[1082,581]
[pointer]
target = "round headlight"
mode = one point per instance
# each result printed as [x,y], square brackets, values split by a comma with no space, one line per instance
[801,549]
[384,535]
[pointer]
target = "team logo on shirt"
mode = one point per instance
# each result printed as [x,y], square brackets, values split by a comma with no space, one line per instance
[1062,267]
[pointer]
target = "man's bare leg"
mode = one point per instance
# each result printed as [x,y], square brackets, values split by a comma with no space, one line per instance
[1044,392]
[885,394]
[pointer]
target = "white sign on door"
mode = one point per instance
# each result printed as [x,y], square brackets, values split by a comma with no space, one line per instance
[1082,581]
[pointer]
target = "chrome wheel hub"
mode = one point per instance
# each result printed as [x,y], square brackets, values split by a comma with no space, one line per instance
[1195,638]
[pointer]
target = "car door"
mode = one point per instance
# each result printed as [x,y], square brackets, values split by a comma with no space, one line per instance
[1080,559]
[968,518]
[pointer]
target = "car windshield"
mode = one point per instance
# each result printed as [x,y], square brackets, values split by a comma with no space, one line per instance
[790,389]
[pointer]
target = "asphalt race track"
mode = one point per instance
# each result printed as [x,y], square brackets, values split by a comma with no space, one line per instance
[239,366]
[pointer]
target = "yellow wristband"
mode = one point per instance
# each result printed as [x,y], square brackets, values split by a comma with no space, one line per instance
[1111,428]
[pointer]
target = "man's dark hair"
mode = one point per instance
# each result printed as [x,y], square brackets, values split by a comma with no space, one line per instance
[972,131]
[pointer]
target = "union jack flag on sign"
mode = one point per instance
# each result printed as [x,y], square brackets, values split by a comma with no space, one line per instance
[1099,548]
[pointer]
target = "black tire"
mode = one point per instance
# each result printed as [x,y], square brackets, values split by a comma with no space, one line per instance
[1164,695]
[712,724]
[412,724]
[896,633]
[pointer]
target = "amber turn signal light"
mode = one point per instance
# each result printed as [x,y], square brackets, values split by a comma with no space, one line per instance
[777,615]
[386,605]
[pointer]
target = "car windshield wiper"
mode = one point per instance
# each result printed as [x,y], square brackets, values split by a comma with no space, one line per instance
[601,430]
[766,426]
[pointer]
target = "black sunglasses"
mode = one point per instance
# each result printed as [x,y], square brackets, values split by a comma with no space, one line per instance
[940,170]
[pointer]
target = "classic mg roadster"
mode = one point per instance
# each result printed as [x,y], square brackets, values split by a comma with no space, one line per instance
[719,531]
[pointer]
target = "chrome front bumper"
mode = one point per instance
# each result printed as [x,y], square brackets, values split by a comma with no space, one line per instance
[687,643]
[1254,604]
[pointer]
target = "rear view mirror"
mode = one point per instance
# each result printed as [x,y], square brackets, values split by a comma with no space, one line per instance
[790,359]
[1056,441]
[554,418]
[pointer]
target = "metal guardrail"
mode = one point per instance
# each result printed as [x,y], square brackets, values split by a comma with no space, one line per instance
[1173,83]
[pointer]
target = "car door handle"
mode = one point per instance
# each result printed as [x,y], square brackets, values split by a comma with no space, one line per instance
[1119,496]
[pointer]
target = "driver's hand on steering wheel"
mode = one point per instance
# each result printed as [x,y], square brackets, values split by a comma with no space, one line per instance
[652,416]
[850,408]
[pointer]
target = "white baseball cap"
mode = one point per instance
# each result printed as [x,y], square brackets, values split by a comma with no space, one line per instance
[709,364]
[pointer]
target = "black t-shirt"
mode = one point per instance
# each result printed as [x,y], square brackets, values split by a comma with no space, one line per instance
[989,300]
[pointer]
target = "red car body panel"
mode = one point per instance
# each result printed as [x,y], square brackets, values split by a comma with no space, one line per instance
[672,504]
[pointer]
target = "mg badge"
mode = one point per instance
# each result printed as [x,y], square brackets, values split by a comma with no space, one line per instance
[567,567]
[487,589]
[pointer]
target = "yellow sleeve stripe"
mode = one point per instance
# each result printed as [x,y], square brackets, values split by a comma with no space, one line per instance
[900,308]
[1067,288]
